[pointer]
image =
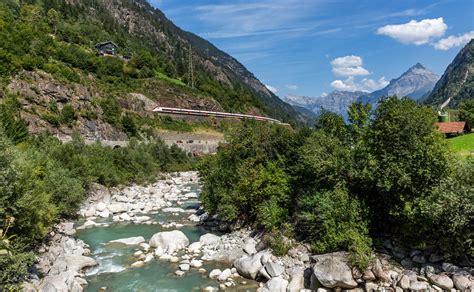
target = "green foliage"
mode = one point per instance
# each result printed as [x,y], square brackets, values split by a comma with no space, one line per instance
[14,127]
[407,156]
[68,115]
[466,112]
[449,207]
[111,110]
[332,221]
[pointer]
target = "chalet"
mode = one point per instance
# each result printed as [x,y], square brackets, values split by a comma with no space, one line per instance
[453,128]
[107,48]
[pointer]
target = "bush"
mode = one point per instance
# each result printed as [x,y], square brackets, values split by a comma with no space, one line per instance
[332,221]
[68,115]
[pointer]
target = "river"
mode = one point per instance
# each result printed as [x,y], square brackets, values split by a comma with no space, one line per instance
[114,269]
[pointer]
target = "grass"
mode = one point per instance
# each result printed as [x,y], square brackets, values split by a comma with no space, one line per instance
[169,79]
[463,145]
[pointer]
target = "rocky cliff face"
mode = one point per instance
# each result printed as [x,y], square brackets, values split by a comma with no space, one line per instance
[414,83]
[457,82]
[336,101]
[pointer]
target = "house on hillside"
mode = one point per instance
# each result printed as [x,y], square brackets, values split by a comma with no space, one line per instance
[107,48]
[453,128]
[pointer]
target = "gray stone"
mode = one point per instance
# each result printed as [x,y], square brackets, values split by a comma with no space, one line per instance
[249,248]
[450,268]
[129,241]
[276,284]
[184,267]
[442,281]
[117,208]
[436,258]
[462,281]
[419,258]
[274,269]
[77,263]
[227,273]
[379,272]
[215,273]
[418,286]
[249,266]
[169,241]
[209,239]
[296,281]
[407,263]
[404,282]
[332,270]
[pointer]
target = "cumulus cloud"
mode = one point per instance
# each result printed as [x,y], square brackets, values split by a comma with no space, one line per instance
[291,86]
[367,85]
[271,88]
[347,61]
[348,66]
[454,41]
[415,32]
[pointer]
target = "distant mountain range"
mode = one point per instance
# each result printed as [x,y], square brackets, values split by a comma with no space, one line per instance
[457,83]
[416,82]
[336,101]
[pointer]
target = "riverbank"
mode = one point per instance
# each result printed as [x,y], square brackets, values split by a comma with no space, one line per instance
[150,236]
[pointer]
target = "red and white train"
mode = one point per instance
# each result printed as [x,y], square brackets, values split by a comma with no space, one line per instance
[181,111]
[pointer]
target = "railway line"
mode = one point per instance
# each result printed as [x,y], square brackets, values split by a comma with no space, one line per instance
[190,112]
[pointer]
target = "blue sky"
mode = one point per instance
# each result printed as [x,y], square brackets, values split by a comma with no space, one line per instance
[311,47]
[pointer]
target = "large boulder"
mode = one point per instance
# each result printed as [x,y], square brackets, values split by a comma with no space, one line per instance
[274,269]
[442,281]
[77,263]
[276,284]
[209,239]
[462,282]
[333,270]
[296,281]
[249,266]
[129,241]
[169,241]
[117,208]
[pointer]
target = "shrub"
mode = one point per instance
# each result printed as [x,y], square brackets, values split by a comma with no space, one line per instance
[332,221]
[68,115]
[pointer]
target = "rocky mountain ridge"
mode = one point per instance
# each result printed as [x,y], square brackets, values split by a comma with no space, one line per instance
[457,82]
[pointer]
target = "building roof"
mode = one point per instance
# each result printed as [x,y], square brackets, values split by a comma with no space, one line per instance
[451,127]
[105,43]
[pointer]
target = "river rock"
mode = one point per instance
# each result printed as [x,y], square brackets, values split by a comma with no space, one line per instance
[196,263]
[332,270]
[214,274]
[249,266]
[209,239]
[249,248]
[418,286]
[297,281]
[227,273]
[77,263]
[442,281]
[129,241]
[169,241]
[194,247]
[462,281]
[274,269]
[379,272]
[117,208]
[138,264]
[184,267]
[276,284]
[101,206]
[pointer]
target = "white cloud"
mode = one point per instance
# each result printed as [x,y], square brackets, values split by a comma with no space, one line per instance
[415,32]
[367,85]
[271,88]
[348,66]
[291,86]
[350,71]
[454,41]
[347,61]
[324,94]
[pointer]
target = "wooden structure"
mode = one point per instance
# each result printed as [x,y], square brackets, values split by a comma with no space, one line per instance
[107,48]
[453,128]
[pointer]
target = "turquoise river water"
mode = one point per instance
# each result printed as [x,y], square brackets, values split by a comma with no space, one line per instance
[115,273]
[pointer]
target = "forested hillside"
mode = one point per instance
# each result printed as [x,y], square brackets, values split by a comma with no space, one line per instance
[457,82]
[49,62]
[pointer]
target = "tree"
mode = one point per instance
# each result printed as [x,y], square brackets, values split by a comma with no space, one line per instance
[359,114]
[53,19]
[466,112]
[407,157]
[332,124]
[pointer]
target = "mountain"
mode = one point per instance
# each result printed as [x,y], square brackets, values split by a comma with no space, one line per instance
[414,83]
[457,82]
[336,101]
[49,62]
